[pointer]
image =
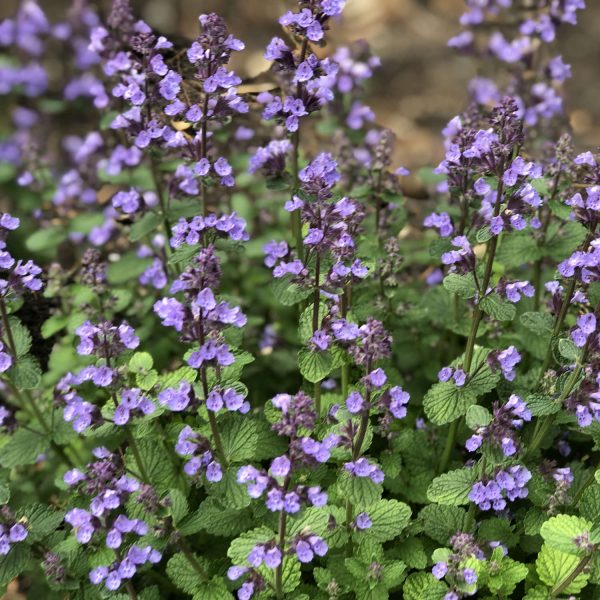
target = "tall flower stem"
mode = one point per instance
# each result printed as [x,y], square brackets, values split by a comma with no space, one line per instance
[212,420]
[316,323]
[345,307]
[537,268]
[562,314]
[204,153]
[476,321]
[356,450]
[296,222]
[281,530]
[543,425]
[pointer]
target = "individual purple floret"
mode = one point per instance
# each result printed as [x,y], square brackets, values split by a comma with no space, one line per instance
[505,360]
[363,521]
[363,468]
[513,290]
[11,533]
[457,375]
[307,546]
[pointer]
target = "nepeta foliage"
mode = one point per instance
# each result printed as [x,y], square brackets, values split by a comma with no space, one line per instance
[233,364]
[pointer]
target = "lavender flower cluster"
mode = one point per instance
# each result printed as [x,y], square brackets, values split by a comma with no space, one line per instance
[183,415]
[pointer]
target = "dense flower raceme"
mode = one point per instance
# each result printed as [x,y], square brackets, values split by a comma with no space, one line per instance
[106,482]
[340,486]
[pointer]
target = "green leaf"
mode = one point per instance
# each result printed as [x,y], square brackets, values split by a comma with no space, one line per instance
[389,518]
[452,488]
[128,267]
[589,505]
[46,239]
[288,293]
[568,349]
[503,580]
[183,574]
[21,337]
[445,402]
[541,405]
[423,586]
[412,552]
[560,531]
[14,563]
[141,362]
[478,416]
[216,519]
[160,472]
[23,448]
[483,235]
[314,366]
[361,491]
[231,493]
[26,373]
[441,522]
[393,573]
[461,285]
[178,505]
[215,589]
[537,322]
[241,546]
[497,528]
[53,325]
[554,566]
[41,520]
[497,308]
[144,226]
[240,438]
[561,244]
[517,249]
[311,519]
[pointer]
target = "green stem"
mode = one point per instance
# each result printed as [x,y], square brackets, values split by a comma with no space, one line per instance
[543,425]
[189,555]
[537,269]
[131,590]
[568,580]
[356,449]
[477,317]
[296,221]
[560,318]
[345,307]
[577,497]
[449,446]
[281,529]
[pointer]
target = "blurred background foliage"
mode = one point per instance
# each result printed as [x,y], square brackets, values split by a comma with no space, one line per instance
[421,83]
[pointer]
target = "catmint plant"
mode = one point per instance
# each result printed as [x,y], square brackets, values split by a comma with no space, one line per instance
[235,363]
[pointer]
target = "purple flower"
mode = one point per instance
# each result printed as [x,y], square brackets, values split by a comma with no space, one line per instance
[354,403]
[439,570]
[176,399]
[363,521]
[280,466]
